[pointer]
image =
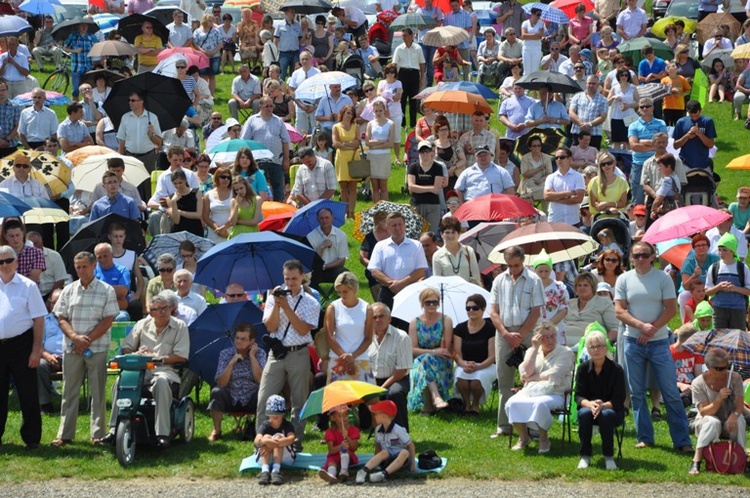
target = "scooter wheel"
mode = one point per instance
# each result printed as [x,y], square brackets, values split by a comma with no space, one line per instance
[125,442]
[188,424]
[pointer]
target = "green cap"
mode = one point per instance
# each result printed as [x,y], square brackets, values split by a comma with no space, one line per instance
[542,259]
[729,241]
[703,310]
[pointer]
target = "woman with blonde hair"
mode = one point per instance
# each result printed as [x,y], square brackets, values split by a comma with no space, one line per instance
[608,192]
[380,137]
[207,39]
[347,144]
[245,208]
[535,166]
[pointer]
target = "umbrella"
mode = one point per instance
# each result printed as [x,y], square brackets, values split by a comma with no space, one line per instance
[725,56]
[443,5]
[39,7]
[275,222]
[415,223]
[414,21]
[387,16]
[305,219]
[453,291]
[88,174]
[191,55]
[226,150]
[170,243]
[78,155]
[269,5]
[44,211]
[552,138]
[632,48]
[10,205]
[12,25]
[741,52]
[458,102]
[549,13]
[114,48]
[163,13]
[106,22]
[658,27]
[213,331]
[252,259]
[471,87]
[316,87]
[131,26]
[494,207]
[294,134]
[271,208]
[484,237]
[47,169]
[443,36]
[168,66]
[715,20]
[569,6]
[674,251]
[557,82]
[90,77]
[340,392]
[51,98]
[741,162]
[62,30]
[429,91]
[243,4]
[307,6]
[736,342]
[684,222]
[163,96]
[562,242]
[93,232]
[654,91]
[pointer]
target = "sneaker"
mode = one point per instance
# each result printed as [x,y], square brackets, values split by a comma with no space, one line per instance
[343,475]
[361,476]
[276,479]
[264,478]
[377,477]
[584,462]
[609,463]
[327,477]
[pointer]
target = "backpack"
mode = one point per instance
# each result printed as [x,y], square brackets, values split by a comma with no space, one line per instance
[741,274]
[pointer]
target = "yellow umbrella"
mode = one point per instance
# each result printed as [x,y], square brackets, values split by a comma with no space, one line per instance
[741,162]
[741,52]
[43,215]
[47,169]
[78,155]
[658,27]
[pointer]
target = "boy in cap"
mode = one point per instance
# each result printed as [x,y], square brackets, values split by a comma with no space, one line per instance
[729,282]
[393,446]
[688,365]
[637,227]
[274,441]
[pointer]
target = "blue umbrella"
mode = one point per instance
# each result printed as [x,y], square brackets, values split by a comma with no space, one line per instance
[108,22]
[213,331]
[471,87]
[305,219]
[549,13]
[39,7]
[13,26]
[254,260]
[10,205]
[51,98]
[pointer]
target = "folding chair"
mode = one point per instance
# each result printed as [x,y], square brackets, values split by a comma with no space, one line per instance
[620,435]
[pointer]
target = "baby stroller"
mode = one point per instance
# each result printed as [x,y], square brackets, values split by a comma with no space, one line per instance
[354,65]
[620,229]
[701,188]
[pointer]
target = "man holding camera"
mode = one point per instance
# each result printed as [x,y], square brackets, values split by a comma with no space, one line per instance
[290,316]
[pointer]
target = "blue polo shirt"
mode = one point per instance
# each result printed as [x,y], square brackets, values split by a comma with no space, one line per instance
[645,68]
[694,154]
[289,36]
[117,275]
[122,205]
[645,131]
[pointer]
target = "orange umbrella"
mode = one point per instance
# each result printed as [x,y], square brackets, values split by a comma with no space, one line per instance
[78,155]
[674,251]
[741,162]
[272,207]
[458,102]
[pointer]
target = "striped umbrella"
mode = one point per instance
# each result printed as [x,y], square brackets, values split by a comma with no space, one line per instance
[549,13]
[107,23]
[736,342]
[413,20]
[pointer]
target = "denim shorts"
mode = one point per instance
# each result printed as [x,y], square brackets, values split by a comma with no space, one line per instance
[213,67]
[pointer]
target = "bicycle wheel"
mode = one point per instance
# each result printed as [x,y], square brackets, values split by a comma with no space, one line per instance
[58,81]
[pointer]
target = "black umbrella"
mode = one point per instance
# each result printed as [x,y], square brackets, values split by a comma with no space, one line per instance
[90,77]
[65,28]
[557,82]
[95,232]
[164,96]
[307,6]
[552,138]
[131,26]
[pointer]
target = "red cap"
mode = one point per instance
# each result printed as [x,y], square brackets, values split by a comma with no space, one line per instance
[639,209]
[388,407]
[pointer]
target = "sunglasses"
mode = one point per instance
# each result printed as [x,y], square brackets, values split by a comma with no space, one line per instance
[7,261]
[721,369]
[612,260]
[606,163]
[24,166]
[166,270]
[641,255]
[215,119]
[225,177]
[560,158]
[181,67]
[241,294]
[473,308]
[644,106]
[431,303]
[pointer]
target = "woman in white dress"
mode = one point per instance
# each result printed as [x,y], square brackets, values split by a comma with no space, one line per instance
[532,31]
[392,91]
[216,206]
[380,137]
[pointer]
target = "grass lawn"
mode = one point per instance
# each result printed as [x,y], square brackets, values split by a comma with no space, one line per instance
[464,441]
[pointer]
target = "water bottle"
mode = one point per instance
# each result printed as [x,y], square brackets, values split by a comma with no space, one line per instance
[86,354]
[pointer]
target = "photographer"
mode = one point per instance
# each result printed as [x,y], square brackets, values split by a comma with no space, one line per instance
[290,316]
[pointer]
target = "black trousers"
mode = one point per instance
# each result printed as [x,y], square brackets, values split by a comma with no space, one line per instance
[385,296]
[149,161]
[397,393]
[409,78]
[14,360]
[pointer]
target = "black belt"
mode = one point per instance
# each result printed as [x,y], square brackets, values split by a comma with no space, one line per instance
[292,349]
[135,154]
[408,69]
[16,337]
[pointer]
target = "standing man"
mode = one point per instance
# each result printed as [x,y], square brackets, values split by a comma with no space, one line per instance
[245,91]
[305,111]
[44,45]
[22,314]
[436,13]
[287,37]
[512,113]
[564,190]
[329,108]
[640,135]
[180,34]
[411,68]
[79,45]
[397,261]
[139,135]
[477,136]
[73,132]
[632,21]
[459,18]
[645,301]
[85,311]
[316,179]
[511,15]
[14,68]
[37,123]
[694,135]
[331,245]
[10,115]
[483,177]
[651,177]
[289,317]
[588,111]
[516,301]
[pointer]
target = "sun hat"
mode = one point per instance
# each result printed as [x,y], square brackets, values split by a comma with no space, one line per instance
[275,405]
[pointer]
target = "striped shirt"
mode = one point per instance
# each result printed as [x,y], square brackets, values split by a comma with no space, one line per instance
[588,109]
[305,307]
[85,307]
[516,298]
[312,183]
[460,19]
[10,115]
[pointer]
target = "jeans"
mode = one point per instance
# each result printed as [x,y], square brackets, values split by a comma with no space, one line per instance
[656,354]
[287,61]
[429,53]
[75,80]
[607,421]
[636,189]
[275,176]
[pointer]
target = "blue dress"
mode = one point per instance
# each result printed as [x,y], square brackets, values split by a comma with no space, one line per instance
[429,368]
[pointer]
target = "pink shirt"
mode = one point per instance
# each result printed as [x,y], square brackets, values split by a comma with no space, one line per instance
[581,29]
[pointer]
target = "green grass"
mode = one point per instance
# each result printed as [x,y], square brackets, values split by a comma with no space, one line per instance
[464,442]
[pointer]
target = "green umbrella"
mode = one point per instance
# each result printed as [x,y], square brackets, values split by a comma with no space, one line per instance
[412,20]
[226,150]
[632,48]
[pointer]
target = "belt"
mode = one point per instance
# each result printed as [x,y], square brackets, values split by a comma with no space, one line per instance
[15,337]
[139,154]
[292,349]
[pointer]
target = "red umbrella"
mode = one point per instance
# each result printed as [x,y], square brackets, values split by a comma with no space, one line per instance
[494,207]
[569,6]
[444,5]
[275,222]
[194,57]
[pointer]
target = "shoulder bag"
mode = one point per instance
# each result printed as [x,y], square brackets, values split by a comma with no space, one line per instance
[360,168]
[725,457]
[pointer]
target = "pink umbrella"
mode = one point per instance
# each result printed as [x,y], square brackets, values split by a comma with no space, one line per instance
[194,57]
[684,222]
[294,134]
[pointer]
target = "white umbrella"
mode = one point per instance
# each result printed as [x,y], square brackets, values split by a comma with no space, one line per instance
[88,174]
[167,66]
[316,87]
[215,137]
[453,291]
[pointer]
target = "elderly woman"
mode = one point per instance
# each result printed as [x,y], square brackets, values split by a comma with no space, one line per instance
[474,344]
[455,258]
[348,326]
[431,336]
[207,39]
[718,395]
[546,372]
[600,396]
[489,60]
[555,308]
[166,265]
[588,308]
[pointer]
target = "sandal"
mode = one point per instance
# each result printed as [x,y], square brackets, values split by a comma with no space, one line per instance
[695,468]
[215,436]
[643,444]
[520,445]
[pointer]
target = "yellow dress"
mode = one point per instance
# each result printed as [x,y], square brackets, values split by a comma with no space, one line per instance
[343,157]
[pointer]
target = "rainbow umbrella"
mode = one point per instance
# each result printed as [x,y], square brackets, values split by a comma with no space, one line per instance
[675,251]
[340,392]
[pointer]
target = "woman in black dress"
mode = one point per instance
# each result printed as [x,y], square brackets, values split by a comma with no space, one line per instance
[474,344]
[185,206]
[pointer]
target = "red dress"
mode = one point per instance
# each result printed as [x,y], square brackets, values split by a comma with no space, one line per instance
[337,438]
[453,54]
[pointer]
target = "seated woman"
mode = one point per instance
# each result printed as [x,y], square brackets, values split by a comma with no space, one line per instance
[546,372]
[588,308]
[431,336]
[718,395]
[474,344]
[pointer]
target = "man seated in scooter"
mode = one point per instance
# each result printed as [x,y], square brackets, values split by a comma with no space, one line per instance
[164,338]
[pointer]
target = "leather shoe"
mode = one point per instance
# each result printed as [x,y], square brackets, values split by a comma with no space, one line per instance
[162,441]
[31,446]
[109,438]
[59,443]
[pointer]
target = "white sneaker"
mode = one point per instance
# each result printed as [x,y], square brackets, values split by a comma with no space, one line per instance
[584,462]
[361,476]
[327,477]
[377,477]
[609,463]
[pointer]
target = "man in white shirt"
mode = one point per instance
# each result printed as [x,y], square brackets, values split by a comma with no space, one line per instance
[183,281]
[180,34]
[632,21]
[139,135]
[305,111]
[564,190]
[38,122]
[21,184]
[14,68]
[483,177]
[411,72]
[316,179]
[182,136]
[331,245]
[245,92]
[352,18]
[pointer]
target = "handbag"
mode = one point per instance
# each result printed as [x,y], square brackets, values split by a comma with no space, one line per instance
[671,203]
[429,460]
[629,120]
[515,357]
[360,168]
[725,457]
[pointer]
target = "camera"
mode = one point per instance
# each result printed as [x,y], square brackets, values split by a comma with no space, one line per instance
[282,292]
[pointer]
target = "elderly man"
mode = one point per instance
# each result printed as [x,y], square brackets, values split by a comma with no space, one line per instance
[238,376]
[547,113]
[139,135]
[44,45]
[85,311]
[512,113]
[564,190]
[632,21]
[14,68]
[411,72]
[79,44]
[329,108]
[73,132]
[483,177]
[331,245]
[245,92]
[287,37]
[113,201]
[37,123]
[165,338]
[30,262]
[554,60]
[510,51]
[235,293]
[53,346]
[397,261]
[694,135]
[588,111]
[459,18]
[92,110]
[316,179]
[305,109]
[10,115]
[478,135]
[21,330]
[182,135]
[183,281]
[55,275]
[180,34]
[115,275]
[516,302]
[214,124]
[640,135]
[21,184]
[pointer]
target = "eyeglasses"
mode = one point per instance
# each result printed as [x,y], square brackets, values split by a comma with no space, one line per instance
[23,166]
[166,270]
[368,90]
[606,163]
[181,67]
[555,49]
[578,68]
[560,158]
[7,261]
[216,119]
[161,309]
[240,294]
[596,348]
[611,260]
[645,106]
[473,308]
[641,255]
[112,182]
[700,245]
[225,177]
[431,303]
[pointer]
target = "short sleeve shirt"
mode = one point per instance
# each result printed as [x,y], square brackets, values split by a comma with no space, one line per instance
[307,308]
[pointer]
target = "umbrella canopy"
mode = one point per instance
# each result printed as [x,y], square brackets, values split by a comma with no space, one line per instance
[387,16]
[10,205]
[163,14]
[674,251]
[170,243]
[244,3]
[658,27]
[569,6]
[443,36]
[47,169]
[741,162]
[632,48]
[168,66]
[254,260]
[110,76]
[552,138]
[307,6]
[305,219]
[741,52]
[340,392]
[414,21]
[62,30]
[163,96]
[471,87]
[12,25]
[275,222]
[556,82]
[458,102]
[654,91]
[443,5]
[51,98]
[191,55]
[453,290]
[316,87]
[113,48]
[715,20]
[106,22]
[494,207]
[78,155]
[684,222]
[561,241]
[724,55]
[294,134]
[271,208]
[736,342]
[226,150]
[44,211]
[88,174]
[39,7]
[213,331]
[549,13]
[415,223]
[131,26]
[484,237]
[93,232]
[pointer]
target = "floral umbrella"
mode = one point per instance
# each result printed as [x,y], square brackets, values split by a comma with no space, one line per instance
[48,170]
[415,223]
